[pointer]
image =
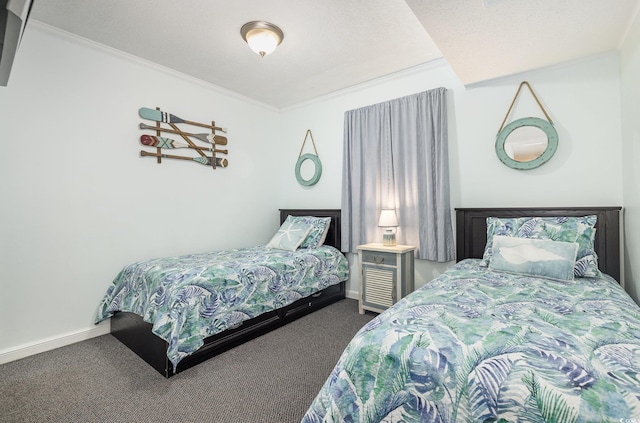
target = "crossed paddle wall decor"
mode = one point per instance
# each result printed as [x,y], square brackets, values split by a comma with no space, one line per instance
[161,143]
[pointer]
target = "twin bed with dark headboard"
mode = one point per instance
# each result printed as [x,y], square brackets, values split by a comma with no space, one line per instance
[471,230]
[505,334]
[135,324]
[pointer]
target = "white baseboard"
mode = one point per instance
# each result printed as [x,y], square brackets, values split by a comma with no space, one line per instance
[26,350]
[33,348]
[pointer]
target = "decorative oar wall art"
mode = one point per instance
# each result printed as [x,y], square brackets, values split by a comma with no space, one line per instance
[315,159]
[206,154]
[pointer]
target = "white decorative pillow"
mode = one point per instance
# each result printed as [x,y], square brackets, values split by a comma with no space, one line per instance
[534,257]
[290,235]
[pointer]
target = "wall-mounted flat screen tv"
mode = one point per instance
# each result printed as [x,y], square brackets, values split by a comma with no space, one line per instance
[13,19]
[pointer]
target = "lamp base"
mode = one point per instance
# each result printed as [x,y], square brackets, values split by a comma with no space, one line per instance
[389,239]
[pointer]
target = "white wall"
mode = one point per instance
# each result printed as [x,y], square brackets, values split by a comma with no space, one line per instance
[630,63]
[582,98]
[78,203]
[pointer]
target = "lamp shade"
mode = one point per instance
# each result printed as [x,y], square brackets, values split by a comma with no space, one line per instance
[388,218]
[262,37]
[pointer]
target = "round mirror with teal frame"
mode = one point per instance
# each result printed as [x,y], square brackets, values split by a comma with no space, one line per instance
[316,173]
[551,145]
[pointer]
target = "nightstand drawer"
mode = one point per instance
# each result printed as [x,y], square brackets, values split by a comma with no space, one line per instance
[379,258]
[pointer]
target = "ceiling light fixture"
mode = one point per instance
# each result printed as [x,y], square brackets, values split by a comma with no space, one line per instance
[262,37]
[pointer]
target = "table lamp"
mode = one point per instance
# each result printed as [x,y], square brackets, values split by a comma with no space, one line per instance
[389,221]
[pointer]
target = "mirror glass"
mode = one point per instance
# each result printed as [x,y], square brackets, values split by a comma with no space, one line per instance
[307,169]
[526,143]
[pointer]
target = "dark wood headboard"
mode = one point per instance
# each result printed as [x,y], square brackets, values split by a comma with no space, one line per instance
[471,231]
[333,236]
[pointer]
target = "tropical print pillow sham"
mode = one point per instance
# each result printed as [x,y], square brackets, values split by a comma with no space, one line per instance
[566,229]
[318,234]
[189,298]
[475,345]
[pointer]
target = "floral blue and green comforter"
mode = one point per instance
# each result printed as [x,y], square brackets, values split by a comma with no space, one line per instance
[189,298]
[481,346]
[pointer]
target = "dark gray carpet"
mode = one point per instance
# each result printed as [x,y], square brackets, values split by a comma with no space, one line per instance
[272,379]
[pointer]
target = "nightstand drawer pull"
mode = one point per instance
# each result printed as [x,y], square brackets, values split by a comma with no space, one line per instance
[379,259]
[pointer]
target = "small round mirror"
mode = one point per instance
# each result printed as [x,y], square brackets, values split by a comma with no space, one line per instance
[526,143]
[315,175]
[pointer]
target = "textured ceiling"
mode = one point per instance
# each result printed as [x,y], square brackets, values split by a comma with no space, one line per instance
[328,44]
[492,38]
[334,44]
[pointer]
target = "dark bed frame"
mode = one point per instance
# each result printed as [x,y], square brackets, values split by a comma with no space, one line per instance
[471,231]
[136,334]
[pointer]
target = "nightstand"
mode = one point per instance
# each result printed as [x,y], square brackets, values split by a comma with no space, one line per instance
[386,275]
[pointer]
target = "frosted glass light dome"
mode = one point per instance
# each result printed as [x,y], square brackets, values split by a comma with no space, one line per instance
[262,37]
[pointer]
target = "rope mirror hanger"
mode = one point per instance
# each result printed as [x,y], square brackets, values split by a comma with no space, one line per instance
[542,151]
[314,158]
